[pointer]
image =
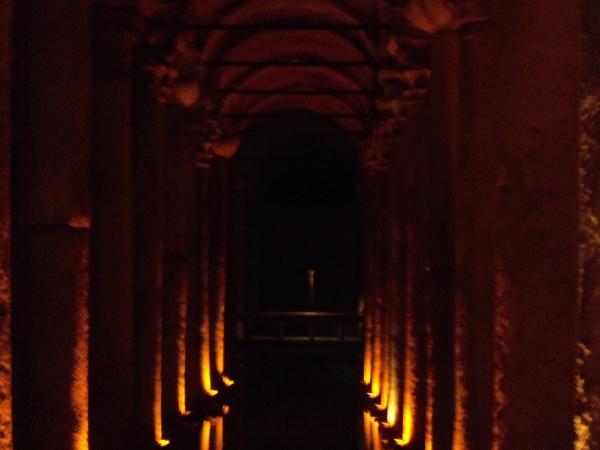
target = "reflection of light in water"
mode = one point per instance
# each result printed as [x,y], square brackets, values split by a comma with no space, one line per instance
[377,444]
[219,433]
[227,381]
[205,435]
[367,430]
[212,432]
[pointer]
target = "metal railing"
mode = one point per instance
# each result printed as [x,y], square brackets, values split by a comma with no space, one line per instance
[300,326]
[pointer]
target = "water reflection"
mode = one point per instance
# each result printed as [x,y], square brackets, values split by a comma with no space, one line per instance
[322,412]
[292,422]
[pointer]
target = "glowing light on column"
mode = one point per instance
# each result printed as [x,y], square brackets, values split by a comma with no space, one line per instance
[409,403]
[158,431]
[79,388]
[368,357]
[6,439]
[460,392]
[376,368]
[205,344]
[219,338]
[430,387]
[181,334]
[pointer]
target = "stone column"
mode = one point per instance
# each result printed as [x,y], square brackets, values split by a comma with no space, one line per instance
[50,242]
[587,421]
[179,199]
[6,16]
[410,216]
[218,192]
[475,186]
[536,295]
[376,167]
[203,164]
[111,246]
[443,151]
[148,138]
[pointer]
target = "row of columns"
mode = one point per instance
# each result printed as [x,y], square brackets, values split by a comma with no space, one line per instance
[480,243]
[116,271]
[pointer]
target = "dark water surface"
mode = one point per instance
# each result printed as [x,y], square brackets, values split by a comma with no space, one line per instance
[292,404]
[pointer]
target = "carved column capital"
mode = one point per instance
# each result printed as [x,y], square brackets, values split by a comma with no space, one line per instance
[115,31]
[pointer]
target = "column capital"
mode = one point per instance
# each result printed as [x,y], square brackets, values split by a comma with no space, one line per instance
[115,31]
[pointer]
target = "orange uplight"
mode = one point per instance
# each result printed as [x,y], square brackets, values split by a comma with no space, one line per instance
[181,333]
[205,347]
[219,338]
[79,388]
[407,428]
[158,388]
[6,439]
[227,381]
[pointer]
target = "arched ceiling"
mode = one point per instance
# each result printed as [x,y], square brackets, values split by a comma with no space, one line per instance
[234,60]
[270,56]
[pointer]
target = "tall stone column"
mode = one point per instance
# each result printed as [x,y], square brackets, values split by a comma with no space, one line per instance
[587,421]
[218,192]
[111,246]
[179,206]
[536,295]
[475,186]
[443,152]
[148,139]
[203,164]
[6,16]
[50,242]
[376,167]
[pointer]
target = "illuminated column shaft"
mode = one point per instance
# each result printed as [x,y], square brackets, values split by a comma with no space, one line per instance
[418,262]
[475,234]
[376,306]
[397,248]
[111,240]
[203,224]
[179,207]
[537,269]
[218,253]
[51,149]
[148,218]
[442,160]
[6,15]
